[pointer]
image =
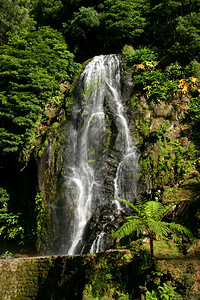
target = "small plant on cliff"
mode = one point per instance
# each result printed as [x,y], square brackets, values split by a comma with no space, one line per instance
[7,254]
[40,213]
[148,221]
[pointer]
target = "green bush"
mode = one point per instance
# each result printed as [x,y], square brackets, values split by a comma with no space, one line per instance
[10,225]
[168,163]
[32,66]
[149,80]
[164,292]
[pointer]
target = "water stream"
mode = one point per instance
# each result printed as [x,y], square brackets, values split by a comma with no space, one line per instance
[100,83]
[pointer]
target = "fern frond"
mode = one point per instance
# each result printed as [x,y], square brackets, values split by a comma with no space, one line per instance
[149,220]
[133,225]
[180,230]
[140,201]
[137,209]
[153,209]
[125,229]
[161,229]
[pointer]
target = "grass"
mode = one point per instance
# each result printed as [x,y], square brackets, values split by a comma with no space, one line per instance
[189,190]
[167,249]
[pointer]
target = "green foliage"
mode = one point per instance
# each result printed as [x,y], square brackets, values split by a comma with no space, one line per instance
[149,79]
[175,29]
[34,60]
[195,109]
[142,55]
[169,163]
[164,292]
[193,69]
[103,280]
[40,213]
[84,20]
[6,254]
[127,52]
[124,19]
[10,225]
[48,12]
[155,85]
[83,25]
[187,34]
[175,71]
[105,26]
[32,66]
[15,18]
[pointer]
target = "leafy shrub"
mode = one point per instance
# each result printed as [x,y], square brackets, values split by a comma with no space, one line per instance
[175,70]
[164,292]
[10,226]
[155,84]
[32,66]
[128,52]
[168,163]
[142,55]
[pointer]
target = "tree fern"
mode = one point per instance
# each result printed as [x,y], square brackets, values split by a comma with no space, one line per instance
[148,222]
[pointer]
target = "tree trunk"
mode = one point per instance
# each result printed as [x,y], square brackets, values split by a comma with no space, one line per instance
[151,235]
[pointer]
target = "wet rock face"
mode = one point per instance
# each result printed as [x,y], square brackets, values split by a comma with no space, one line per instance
[98,234]
[127,83]
[50,184]
[164,110]
[99,163]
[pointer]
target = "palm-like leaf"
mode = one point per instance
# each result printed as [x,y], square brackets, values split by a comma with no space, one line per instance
[157,210]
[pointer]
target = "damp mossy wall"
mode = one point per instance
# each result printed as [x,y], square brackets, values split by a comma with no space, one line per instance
[116,274]
[61,277]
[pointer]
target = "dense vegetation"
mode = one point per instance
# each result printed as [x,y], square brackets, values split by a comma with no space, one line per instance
[43,43]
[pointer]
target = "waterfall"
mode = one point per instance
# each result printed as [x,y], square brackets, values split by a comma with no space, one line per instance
[85,172]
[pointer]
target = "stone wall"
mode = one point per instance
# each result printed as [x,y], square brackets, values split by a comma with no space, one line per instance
[116,274]
[50,277]
[39,277]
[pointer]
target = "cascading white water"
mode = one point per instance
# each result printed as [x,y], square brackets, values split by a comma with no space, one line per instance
[93,82]
[97,245]
[99,83]
[129,151]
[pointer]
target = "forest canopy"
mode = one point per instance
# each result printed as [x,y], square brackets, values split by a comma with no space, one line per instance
[32,66]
